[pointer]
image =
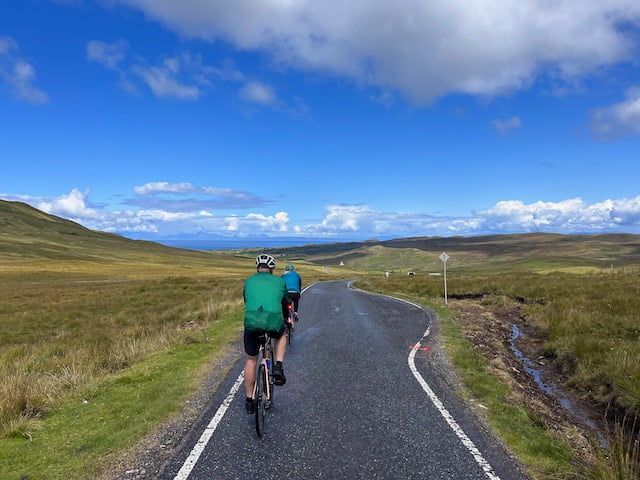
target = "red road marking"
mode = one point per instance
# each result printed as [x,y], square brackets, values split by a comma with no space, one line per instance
[415,347]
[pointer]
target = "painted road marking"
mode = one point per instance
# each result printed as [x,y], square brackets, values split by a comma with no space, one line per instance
[199,447]
[418,347]
[466,441]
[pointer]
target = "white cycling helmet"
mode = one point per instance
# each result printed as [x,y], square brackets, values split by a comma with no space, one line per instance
[266,260]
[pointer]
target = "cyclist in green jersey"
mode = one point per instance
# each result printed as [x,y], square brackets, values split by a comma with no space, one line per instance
[266,304]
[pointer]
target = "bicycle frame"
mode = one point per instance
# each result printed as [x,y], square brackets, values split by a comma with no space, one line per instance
[290,321]
[263,387]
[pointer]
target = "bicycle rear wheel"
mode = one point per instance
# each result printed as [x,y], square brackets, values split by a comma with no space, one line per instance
[289,333]
[269,376]
[261,399]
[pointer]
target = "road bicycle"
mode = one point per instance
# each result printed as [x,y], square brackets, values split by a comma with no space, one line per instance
[263,388]
[290,320]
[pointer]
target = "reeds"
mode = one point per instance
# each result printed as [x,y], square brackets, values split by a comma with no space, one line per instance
[621,460]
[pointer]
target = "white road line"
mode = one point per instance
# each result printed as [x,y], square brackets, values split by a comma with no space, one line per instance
[466,441]
[200,445]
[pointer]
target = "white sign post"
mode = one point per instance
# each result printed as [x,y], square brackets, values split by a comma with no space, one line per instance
[444,257]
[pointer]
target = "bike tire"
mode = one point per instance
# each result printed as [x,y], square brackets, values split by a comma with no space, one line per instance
[289,334]
[261,399]
[272,381]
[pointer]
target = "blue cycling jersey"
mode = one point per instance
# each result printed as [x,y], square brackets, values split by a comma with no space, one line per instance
[293,281]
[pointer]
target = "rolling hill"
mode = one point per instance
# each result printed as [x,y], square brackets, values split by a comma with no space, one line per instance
[530,251]
[26,232]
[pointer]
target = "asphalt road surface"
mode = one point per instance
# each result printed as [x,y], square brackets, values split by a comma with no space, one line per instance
[360,402]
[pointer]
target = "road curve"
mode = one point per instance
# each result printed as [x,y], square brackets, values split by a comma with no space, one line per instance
[360,403]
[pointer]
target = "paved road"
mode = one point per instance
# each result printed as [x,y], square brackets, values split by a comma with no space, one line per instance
[357,405]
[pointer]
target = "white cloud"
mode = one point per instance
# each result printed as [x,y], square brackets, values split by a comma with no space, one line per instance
[18,74]
[504,126]
[182,76]
[153,195]
[164,81]
[107,54]
[618,120]
[259,93]
[422,49]
[352,221]
[512,216]
[73,205]
[163,187]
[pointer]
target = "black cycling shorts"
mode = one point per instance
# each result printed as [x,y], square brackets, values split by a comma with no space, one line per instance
[252,339]
[295,298]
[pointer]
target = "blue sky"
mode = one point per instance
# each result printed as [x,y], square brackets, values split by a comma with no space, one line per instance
[293,118]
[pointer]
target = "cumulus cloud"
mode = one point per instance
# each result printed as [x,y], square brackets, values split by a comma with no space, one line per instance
[18,74]
[618,120]
[73,206]
[511,216]
[504,126]
[422,49]
[349,221]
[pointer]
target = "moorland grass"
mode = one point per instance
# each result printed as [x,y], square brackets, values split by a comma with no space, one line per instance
[96,354]
[87,429]
[61,331]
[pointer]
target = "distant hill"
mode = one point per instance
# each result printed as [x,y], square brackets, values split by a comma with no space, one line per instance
[26,232]
[531,251]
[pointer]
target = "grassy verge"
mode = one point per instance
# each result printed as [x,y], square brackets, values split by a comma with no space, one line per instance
[546,456]
[588,322]
[88,429]
[95,355]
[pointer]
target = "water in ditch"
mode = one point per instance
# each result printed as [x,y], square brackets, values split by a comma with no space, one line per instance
[550,389]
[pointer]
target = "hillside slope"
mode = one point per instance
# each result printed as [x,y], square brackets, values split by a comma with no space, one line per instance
[26,232]
[530,251]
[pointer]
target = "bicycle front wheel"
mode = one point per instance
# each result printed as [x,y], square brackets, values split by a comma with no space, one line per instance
[261,399]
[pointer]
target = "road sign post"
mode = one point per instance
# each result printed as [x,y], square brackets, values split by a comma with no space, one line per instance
[444,257]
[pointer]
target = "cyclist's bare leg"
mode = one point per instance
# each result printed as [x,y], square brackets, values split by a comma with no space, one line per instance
[279,348]
[250,373]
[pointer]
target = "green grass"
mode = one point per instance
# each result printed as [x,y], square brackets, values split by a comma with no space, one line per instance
[89,428]
[545,455]
[133,340]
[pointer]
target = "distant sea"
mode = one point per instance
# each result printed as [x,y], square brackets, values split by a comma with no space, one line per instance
[237,243]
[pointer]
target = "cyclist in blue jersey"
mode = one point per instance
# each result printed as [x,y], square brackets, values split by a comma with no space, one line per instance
[266,305]
[294,286]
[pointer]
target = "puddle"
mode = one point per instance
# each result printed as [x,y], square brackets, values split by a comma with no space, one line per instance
[565,402]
